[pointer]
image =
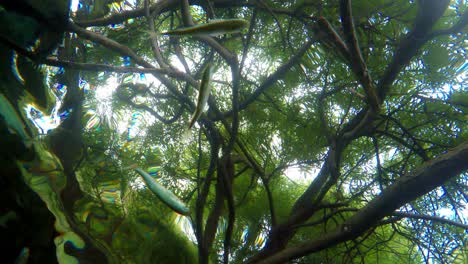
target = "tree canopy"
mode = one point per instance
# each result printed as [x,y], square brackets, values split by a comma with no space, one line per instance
[334,131]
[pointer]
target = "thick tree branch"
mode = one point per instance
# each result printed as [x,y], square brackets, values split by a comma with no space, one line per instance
[424,179]
[96,66]
[104,67]
[227,170]
[213,218]
[457,28]
[124,50]
[330,38]
[159,7]
[305,206]
[358,126]
[186,16]
[235,106]
[358,65]
[429,12]
[326,217]
[109,43]
[205,238]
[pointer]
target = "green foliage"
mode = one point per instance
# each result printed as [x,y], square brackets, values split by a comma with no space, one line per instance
[304,119]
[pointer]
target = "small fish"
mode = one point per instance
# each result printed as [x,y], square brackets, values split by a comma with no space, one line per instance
[213,28]
[163,194]
[203,94]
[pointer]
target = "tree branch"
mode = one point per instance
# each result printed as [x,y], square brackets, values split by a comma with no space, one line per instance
[124,50]
[270,80]
[457,28]
[330,38]
[429,12]
[205,238]
[186,16]
[431,218]
[154,37]
[158,7]
[213,218]
[104,67]
[227,174]
[424,179]
[358,64]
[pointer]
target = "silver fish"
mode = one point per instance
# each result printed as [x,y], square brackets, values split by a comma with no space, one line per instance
[203,94]
[166,196]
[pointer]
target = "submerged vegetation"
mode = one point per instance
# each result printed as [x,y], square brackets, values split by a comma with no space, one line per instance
[176,131]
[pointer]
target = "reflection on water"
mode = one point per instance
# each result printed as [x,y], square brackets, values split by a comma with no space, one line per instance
[14,68]
[42,122]
[94,120]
